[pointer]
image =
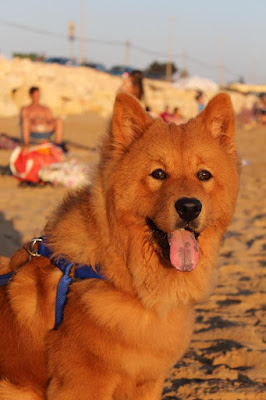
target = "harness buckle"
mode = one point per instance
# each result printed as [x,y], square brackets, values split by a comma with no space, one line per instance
[30,247]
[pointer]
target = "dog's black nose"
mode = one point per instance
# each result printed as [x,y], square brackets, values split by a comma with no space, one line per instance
[188,208]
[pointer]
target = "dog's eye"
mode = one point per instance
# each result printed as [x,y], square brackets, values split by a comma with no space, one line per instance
[159,174]
[204,175]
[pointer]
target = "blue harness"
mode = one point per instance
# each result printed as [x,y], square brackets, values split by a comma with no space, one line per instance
[81,272]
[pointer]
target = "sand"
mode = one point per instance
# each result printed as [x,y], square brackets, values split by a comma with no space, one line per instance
[226,359]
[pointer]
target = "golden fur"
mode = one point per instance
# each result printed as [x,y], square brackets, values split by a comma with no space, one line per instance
[120,336]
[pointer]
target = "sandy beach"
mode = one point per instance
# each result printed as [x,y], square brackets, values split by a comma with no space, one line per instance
[226,359]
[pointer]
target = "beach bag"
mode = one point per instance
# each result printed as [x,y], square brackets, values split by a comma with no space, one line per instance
[25,165]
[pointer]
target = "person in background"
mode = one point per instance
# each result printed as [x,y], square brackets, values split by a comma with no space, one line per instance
[178,118]
[150,112]
[166,115]
[38,124]
[133,84]
[200,100]
[175,117]
[260,109]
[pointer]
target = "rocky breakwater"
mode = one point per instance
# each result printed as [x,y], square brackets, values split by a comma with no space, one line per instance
[65,89]
[75,90]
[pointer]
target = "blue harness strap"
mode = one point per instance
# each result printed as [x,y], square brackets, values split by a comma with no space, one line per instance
[4,279]
[61,295]
[81,272]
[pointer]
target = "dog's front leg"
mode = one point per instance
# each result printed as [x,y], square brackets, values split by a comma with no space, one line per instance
[81,387]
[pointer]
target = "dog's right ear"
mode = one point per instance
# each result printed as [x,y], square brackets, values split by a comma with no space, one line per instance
[129,121]
[218,117]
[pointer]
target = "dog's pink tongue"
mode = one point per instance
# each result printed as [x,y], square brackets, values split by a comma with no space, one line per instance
[184,250]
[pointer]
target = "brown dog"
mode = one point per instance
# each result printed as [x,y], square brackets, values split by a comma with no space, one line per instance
[152,221]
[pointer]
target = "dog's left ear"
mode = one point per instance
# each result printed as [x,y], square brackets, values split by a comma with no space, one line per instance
[218,116]
[129,120]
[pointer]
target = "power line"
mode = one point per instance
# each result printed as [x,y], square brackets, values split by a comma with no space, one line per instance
[59,35]
[32,29]
[140,49]
[201,63]
[230,71]
[147,51]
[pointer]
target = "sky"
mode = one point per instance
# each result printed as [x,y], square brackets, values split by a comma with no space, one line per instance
[198,35]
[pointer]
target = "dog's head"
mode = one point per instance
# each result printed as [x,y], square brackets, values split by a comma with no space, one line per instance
[178,184]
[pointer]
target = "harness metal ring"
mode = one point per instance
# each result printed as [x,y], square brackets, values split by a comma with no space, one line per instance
[30,247]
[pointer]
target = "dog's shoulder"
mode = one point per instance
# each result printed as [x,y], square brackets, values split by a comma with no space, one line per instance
[72,229]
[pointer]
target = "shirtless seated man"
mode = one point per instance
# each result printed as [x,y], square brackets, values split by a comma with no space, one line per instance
[38,123]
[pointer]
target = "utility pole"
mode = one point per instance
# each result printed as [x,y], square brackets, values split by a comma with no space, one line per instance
[82,32]
[221,74]
[221,64]
[127,52]
[170,49]
[185,62]
[254,69]
[71,38]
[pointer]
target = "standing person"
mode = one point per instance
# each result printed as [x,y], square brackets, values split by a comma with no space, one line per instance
[200,100]
[133,84]
[37,122]
[136,77]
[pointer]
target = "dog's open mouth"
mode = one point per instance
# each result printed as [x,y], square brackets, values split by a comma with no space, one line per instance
[179,247]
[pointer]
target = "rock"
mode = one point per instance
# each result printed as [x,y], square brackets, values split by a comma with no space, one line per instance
[75,90]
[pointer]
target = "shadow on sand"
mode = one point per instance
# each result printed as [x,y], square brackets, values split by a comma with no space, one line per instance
[10,238]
